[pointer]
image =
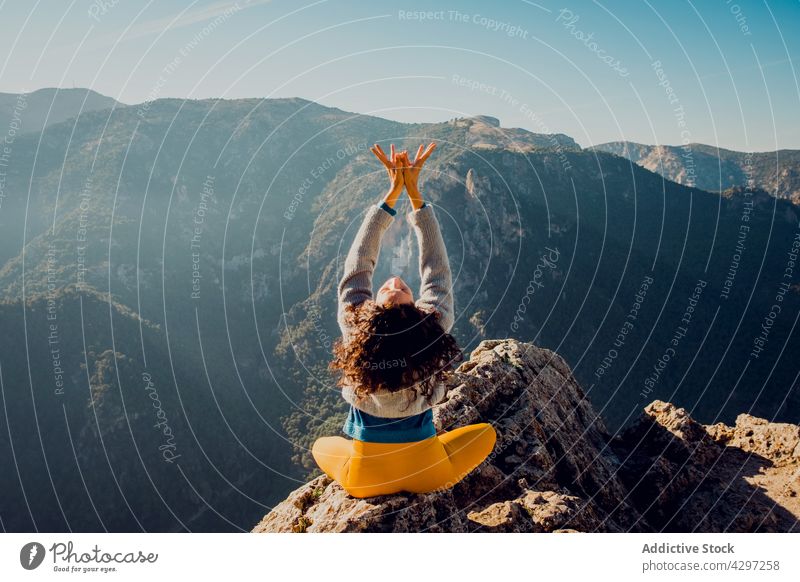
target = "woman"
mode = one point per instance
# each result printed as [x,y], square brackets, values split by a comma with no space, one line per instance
[393,357]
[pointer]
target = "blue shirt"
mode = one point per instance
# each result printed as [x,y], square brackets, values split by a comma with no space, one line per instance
[375,429]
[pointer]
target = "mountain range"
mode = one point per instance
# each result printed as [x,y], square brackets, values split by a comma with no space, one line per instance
[48,106]
[716,169]
[167,294]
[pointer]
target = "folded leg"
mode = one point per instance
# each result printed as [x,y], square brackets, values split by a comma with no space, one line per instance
[449,458]
[370,469]
[333,455]
[361,475]
[467,447]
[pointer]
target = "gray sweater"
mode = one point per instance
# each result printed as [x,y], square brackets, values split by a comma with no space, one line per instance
[435,294]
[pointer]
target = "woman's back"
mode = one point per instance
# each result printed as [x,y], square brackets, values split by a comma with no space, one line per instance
[392,360]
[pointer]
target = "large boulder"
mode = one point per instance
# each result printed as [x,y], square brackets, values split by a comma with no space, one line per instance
[684,476]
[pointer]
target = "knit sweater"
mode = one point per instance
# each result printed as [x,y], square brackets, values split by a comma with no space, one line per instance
[435,294]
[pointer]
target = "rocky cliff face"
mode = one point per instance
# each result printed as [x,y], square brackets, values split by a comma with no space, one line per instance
[556,468]
[716,169]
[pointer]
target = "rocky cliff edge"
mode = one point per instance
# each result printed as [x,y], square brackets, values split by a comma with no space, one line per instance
[555,468]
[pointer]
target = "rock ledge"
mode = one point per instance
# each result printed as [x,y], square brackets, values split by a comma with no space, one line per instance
[555,468]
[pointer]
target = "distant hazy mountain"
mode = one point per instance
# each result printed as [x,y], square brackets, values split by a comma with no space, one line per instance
[716,169]
[43,107]
[187,252]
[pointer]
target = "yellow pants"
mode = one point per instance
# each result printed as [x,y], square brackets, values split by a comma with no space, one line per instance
[366,469]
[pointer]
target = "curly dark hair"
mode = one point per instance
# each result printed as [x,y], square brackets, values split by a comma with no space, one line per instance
[394,347]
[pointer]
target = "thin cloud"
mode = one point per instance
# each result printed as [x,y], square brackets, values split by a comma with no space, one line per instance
[188,18]
[171,22]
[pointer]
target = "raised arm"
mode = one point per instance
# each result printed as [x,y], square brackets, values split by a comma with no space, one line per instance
[436,280]
[355,285]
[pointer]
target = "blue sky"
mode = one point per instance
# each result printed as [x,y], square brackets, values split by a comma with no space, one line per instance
[721,72]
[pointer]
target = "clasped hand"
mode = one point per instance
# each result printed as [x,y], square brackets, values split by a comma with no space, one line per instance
[403,173]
